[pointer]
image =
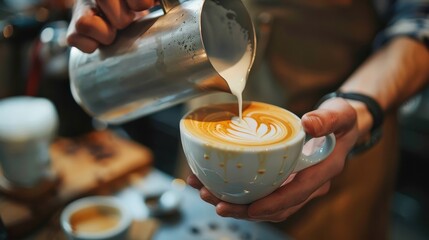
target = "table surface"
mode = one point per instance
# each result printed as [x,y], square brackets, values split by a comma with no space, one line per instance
[195,218]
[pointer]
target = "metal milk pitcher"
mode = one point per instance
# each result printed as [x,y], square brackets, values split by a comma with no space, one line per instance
[163,59]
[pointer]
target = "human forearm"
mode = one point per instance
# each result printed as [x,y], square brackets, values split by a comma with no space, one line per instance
[391,75]
[399,69]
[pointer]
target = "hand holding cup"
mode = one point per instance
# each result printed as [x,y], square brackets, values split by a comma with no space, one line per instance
[243,160]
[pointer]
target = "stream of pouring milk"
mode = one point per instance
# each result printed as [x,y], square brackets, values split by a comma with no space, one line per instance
[236,76]
[229,48]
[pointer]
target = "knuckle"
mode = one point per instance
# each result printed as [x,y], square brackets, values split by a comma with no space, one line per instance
[71,39]
[221,212]
[332,120]
[79,42]
[208,197]
[205,195]
[84,25]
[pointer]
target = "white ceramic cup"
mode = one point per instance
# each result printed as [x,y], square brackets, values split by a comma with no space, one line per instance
[96,218]
[27,127]
[243,174]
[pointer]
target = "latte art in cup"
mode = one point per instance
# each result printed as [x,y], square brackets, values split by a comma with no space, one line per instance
[261,125]
[242,160]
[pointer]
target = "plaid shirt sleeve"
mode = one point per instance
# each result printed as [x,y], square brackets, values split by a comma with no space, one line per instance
[406,18]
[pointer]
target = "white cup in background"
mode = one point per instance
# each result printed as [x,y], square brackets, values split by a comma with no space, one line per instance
[96,218]
[27,127]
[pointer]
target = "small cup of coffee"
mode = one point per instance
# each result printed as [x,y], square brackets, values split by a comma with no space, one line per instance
[242,160]
[96,217]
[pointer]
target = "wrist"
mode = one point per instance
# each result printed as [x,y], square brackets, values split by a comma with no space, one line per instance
[369,117]
[364,117]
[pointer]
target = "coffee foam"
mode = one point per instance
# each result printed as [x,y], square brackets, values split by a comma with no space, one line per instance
[262,125]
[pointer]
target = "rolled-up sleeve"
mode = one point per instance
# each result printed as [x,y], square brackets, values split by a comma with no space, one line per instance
[406,18]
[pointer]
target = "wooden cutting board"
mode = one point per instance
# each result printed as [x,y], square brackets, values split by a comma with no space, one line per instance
[95,164]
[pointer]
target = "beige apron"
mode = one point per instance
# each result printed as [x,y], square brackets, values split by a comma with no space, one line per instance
[311,48]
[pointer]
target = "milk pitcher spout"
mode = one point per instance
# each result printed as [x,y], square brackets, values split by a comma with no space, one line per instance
[171,55]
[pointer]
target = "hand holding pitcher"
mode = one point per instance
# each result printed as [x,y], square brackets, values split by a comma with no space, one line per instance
[95,23]
[162,59]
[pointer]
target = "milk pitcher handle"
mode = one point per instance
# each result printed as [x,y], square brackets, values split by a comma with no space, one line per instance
[318,155]
[167,5]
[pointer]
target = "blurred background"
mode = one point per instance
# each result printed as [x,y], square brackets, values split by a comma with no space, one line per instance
[34,62]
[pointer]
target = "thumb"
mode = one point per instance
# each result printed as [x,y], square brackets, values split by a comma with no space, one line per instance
[333,116]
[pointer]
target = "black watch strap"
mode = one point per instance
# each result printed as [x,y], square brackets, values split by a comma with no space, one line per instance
[373,107]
